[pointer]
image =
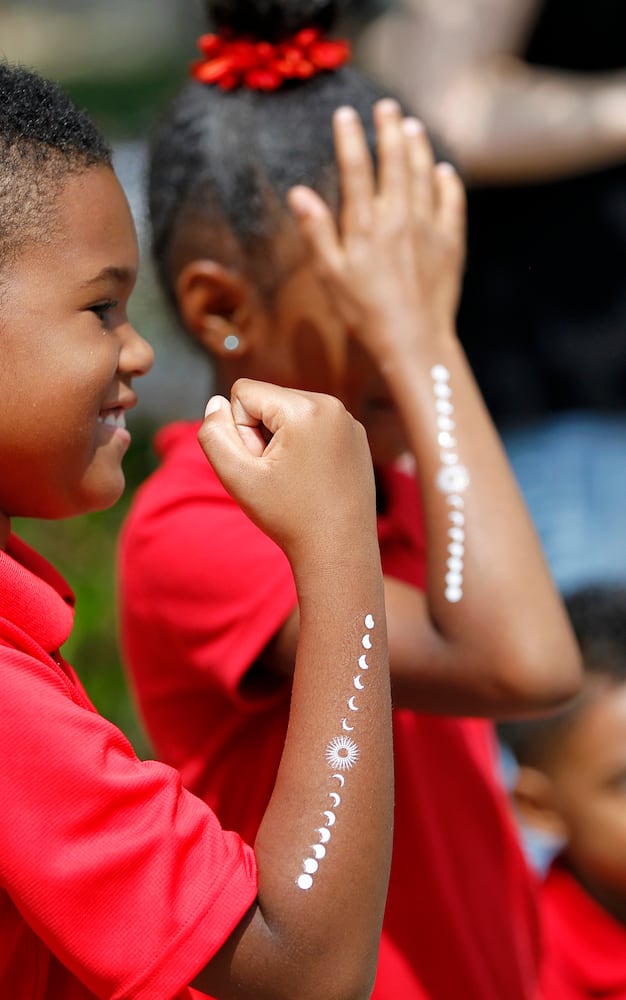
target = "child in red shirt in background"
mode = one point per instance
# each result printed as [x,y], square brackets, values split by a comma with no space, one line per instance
[572,785]
[115,882]
[364,311]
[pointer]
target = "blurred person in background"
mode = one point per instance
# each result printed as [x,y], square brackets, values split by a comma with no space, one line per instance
[530,98]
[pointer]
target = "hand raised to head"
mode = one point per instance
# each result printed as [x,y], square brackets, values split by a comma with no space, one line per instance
[394,261]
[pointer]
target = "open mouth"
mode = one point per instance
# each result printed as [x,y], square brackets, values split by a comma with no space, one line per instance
[113,418]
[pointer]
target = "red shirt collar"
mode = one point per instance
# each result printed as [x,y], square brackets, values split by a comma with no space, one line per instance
[35,600]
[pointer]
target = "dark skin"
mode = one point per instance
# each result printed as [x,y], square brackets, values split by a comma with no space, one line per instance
[376,294]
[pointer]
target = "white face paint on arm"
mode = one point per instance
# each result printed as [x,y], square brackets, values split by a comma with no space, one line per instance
[342,754]
[452,479]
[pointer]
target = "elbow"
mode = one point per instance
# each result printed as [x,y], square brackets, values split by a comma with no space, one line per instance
[339,976]
[540,680]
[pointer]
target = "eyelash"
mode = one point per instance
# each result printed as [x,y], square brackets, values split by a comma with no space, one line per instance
[102,308]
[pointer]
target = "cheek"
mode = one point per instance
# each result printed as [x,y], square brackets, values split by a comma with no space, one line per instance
[319,355]
[598,837]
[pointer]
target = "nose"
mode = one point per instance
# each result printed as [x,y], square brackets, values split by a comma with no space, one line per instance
[136,356]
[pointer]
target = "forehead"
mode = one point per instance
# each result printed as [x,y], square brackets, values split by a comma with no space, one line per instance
[89,228]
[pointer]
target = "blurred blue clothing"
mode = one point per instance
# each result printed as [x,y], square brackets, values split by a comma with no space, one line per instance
[571,468]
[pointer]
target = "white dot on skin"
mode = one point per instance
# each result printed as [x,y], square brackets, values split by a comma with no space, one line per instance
[454,579]
[442,391]
[445,407]
[445,424]
[440,373]
[457,518]
[454,594]
[318,850]
[455,564]
[449,457]
[446,440]
[456,549]
[305,882]
[456,501]
[369,622]
[456,534]
[452,479]
[310,866]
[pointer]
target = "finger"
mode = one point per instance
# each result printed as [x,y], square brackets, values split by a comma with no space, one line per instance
[317,227]
[356,173]
[451,205]
[221,440]
[393,163]
[421,162]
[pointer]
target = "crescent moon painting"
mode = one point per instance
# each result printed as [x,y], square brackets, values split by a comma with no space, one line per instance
[330,817]
[336,797]
[369,621]
[352,704]
[363,664]
[318,850]
[340,778]
[358,683]
[366,641]
[346,728]
[324,833]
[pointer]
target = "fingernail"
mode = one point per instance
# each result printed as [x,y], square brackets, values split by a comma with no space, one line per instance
[412,126]
[345,114]
[215,403]
[446,168]
[388,106]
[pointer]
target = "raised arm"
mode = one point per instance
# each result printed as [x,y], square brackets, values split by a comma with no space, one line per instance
[490,635]
[324,845]
[504,120]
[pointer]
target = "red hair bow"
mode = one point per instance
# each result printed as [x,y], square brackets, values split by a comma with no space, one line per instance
[243,62]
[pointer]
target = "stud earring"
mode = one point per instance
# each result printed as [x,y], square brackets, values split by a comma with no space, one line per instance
[231,343]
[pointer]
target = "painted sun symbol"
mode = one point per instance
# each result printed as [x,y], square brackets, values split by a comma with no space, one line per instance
[342,753]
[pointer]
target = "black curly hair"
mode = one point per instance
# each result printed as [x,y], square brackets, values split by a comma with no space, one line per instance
[598,617]
[43,137]
[221,162]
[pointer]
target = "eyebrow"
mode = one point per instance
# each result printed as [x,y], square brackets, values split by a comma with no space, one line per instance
[122,275]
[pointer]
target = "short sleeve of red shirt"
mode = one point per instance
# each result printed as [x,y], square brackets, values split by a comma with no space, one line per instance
[122,879]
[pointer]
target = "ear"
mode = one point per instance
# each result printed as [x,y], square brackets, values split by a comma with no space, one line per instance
[215,303]
[536,801]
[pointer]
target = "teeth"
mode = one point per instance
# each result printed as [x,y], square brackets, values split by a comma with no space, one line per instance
[113,419]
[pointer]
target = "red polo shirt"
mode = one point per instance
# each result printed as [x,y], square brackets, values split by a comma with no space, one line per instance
[114,881]
[202,592]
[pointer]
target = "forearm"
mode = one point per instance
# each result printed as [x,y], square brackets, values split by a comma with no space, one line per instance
[508,122]
[497,640]
[502,119]
[323,848]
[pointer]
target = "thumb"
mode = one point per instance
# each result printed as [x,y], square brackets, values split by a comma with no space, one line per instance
[226,445]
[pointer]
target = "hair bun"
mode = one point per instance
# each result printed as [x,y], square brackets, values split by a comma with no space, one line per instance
[271,20]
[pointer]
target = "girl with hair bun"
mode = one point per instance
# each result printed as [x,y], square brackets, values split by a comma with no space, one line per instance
[289,257]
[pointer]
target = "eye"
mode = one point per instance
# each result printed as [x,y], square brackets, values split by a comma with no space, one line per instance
[102,308]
